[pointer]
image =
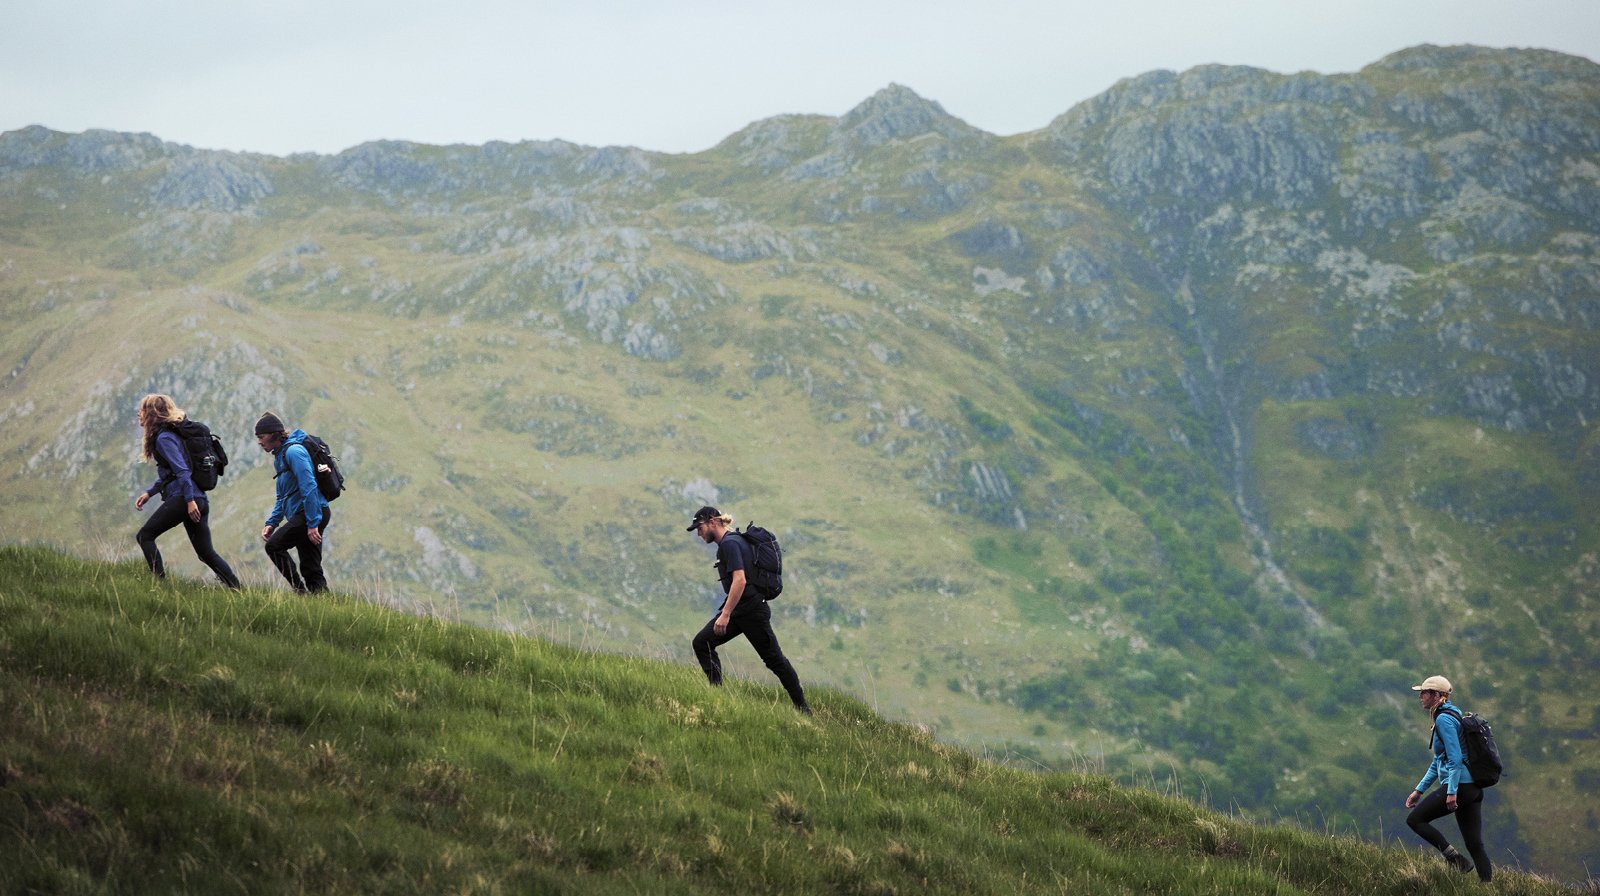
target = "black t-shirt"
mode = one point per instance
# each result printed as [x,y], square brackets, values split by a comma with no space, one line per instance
[733,553]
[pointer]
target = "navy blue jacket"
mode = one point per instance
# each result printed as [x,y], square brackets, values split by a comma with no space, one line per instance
[173,481]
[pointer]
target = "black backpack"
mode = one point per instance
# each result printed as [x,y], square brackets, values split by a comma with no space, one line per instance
[207,459]
[1477,742]
[766,561]
[330,481]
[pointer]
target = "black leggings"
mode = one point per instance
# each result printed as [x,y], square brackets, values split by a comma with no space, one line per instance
[1469,816]
[166,518]
[755,623]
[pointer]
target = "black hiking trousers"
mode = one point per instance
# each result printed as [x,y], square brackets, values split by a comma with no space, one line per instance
[169,516]
[292,534]
[1469,816]
[755,623]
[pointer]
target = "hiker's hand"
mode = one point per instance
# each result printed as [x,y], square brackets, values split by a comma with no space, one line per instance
[315,535]
[1450,803]
[194,511]
[138,503]
[266,532]
[1412,799]
[721,627]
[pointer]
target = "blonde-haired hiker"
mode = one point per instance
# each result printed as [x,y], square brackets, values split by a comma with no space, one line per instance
[743,612]
[182,502]
[1457,793]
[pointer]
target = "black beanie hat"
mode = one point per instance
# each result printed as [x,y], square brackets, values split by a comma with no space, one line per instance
[269,422]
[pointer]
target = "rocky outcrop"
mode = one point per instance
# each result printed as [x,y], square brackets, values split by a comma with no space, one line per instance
[212,181]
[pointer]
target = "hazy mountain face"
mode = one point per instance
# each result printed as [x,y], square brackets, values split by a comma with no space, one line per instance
[1182,434]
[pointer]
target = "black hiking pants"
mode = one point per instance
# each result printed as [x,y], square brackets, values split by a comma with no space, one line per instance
[754,621]
[292,534]
[169,516]
[1469,816]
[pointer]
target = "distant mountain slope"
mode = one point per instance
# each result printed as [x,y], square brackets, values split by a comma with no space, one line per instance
[1184,433]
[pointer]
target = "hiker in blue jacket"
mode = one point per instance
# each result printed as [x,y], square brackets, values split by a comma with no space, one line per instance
[743,612]
[299,516]
[182,502]
[1458,793]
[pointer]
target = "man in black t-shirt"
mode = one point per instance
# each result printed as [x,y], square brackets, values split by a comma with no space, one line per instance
[743,612]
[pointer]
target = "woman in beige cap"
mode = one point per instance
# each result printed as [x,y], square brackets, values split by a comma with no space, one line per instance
[1459,794]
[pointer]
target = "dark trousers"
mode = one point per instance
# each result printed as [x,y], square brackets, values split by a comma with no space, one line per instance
[169,516]
[1469,816]
[292,535]
[754,621]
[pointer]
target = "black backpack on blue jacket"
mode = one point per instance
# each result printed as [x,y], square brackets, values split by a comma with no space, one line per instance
[1478,746]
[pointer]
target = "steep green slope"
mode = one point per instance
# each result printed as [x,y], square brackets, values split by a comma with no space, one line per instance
[174,738]
[1183,434]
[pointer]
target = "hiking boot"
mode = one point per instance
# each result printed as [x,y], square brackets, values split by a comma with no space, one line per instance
[1457,860]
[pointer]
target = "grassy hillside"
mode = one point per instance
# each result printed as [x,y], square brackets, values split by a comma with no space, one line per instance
[179,738]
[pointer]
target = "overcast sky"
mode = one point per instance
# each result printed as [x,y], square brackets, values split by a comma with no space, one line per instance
[283,76]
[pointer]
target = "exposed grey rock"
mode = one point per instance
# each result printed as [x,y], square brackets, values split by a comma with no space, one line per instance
[223,182]
[741,242]
[388,167]
[618,163]
[535,160]
[993,495]
[1476,219]
[898,113]
[644,341]
[1383,181]
[777,143]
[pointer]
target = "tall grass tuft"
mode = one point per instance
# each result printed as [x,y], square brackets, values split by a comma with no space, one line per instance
[166,737]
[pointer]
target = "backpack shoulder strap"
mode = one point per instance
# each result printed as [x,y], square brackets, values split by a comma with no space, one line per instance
[1435,729]
[749,549]
[285,454]
[1461,730]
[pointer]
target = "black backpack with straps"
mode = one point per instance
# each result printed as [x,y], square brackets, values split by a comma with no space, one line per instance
[207,459]
[324,465]
[1479,749]
[765,574]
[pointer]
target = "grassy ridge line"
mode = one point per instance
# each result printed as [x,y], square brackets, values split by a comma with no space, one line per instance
[177,738]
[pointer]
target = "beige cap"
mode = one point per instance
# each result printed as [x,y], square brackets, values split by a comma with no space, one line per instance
[1434,683]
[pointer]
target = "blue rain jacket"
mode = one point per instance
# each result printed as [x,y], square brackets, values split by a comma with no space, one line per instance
[296,482]
[1449,762]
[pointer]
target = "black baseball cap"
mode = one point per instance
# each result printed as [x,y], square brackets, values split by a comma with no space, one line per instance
[705,513]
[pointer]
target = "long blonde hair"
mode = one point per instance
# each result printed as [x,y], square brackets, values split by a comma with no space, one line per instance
[155,411]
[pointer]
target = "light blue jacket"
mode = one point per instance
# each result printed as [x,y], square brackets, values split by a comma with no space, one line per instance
[1449,763]
[296,481]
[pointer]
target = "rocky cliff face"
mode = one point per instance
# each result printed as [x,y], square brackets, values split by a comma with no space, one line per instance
[1221,371]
